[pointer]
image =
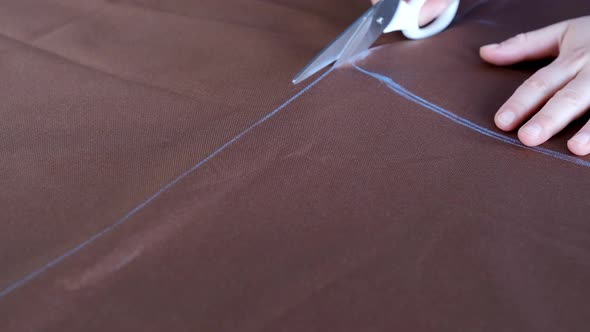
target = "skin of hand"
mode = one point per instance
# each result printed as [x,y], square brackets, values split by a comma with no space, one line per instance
[555,95]
[431,10]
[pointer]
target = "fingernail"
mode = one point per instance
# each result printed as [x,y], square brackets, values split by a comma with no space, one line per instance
[581,139]
[533,130]
[506,118]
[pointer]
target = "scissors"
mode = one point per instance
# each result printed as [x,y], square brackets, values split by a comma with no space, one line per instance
[385,16]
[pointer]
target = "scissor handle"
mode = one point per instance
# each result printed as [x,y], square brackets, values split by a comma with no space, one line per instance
[407,20]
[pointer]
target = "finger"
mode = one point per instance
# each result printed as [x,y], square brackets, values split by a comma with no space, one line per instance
[537,90]
[567,105]
[580,143]
[433,9]
[533,45]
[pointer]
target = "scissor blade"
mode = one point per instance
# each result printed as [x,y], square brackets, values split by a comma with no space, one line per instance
[370,31]
[365,37]
[334,51]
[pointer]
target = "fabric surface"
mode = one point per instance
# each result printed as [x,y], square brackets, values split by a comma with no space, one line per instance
[160,172]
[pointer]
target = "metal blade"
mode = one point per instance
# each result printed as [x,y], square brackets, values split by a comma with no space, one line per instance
[362,41]
[333,51]
[370,31]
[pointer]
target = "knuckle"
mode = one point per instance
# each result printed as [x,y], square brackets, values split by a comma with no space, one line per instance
[537,82]
[584,75]
[553,120]
[580,53]
[576,57]
[515,105]
[546,119]
[569,96]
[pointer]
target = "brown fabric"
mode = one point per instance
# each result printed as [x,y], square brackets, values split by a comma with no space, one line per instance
[159,172]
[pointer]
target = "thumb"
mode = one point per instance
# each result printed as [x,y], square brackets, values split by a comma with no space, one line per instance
[533,45]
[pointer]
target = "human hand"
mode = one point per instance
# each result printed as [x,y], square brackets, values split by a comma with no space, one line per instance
[431,10]
[555,95]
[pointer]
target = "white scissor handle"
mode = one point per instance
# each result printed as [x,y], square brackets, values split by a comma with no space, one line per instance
[407,16]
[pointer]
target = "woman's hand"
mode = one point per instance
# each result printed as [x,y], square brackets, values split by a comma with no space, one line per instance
[555,95]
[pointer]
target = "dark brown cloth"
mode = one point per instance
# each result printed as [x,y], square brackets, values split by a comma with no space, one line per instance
[160,173]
